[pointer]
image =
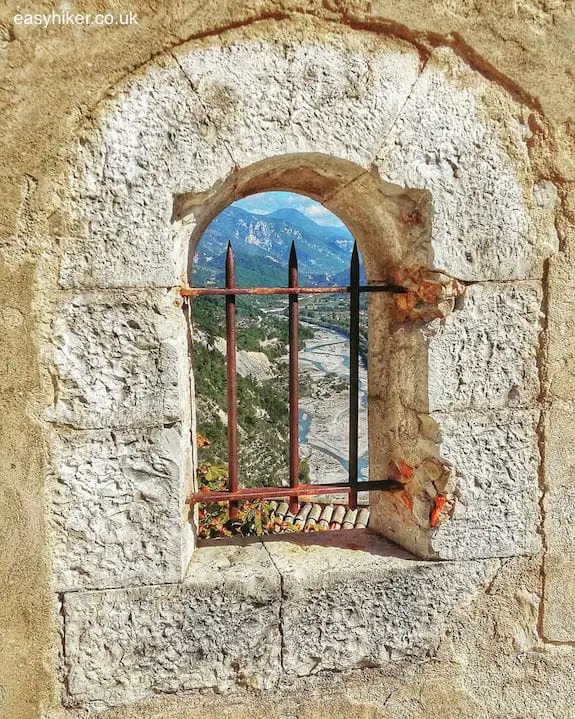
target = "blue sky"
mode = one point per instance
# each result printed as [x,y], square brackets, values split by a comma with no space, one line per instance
[265,202]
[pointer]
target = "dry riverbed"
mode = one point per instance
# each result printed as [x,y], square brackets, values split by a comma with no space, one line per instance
[324,412]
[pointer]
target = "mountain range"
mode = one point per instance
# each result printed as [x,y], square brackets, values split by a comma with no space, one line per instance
[262,243]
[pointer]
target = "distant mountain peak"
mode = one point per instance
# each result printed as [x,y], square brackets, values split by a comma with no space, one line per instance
[262,244]
[301,220]
[290,213]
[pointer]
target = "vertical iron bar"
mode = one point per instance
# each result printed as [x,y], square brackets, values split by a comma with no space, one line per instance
[293,379]
[353,375]
[232,400]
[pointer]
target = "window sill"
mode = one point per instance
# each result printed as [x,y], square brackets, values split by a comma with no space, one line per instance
[253,611]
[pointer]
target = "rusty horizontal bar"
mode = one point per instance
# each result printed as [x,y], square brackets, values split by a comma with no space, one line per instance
[199,291]
[285,492]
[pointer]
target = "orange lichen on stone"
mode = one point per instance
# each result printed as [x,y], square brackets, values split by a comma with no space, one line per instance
[399,469]
[430,294]
[426,489]
[410,218]
[438,505]
[406,499]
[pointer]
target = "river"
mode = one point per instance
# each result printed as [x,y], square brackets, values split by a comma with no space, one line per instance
[324,415]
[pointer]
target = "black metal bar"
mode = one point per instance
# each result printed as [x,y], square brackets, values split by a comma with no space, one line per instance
[199,291]
[232,399]
[293,378]
[353,375]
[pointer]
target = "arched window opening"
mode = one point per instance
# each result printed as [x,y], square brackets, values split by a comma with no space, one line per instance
[279,308]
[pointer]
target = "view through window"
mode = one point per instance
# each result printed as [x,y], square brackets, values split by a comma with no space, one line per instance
[261,229]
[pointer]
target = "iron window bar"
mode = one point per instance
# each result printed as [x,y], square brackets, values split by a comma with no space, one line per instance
[234,494]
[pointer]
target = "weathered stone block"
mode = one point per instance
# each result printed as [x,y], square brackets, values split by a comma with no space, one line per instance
[121,360]
[155,140]
[218,627]
[118,507]
[558,523]
[148,258]
[353,608]
[495,459]
[304,98]
[465,142]
[484,354]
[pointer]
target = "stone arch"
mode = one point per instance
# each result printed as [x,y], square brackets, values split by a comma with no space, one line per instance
[376,210]
[356,119]
[390,224]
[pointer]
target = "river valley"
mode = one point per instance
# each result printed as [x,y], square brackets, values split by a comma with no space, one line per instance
[324,412]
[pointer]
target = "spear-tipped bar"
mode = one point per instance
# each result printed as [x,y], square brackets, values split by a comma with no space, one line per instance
[232,398]
[353,375]
[293,377]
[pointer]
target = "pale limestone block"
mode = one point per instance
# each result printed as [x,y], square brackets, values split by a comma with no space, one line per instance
[118,507]
[120,360]
[154,140]
[218,627]
[354,608]
[267,98]
[495,460]
[484,354]
[465,141]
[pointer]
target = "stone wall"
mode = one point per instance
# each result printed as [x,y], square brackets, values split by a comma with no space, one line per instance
[492,226]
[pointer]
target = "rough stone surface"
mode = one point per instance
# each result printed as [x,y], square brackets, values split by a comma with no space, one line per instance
[247,614]
[219,626]
[117,507]
[480,229]
[155,141]
[346,609]
[496,461]
[269,98]
[490,662]
[55,77]
[558,524]
[121,360]
[188,123]
[185,125]
[484,354]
